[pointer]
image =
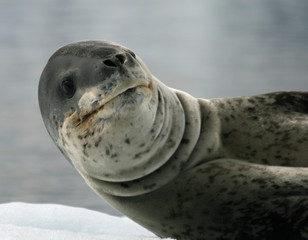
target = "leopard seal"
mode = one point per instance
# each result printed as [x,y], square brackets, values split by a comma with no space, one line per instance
[182,167]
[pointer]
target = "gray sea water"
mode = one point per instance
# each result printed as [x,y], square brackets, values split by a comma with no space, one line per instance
[208,48]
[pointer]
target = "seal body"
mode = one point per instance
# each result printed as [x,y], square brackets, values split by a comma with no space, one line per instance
[182,167]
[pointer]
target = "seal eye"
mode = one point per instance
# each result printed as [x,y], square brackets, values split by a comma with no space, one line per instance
[68,87]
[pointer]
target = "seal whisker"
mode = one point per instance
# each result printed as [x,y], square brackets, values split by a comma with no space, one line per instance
[84,117]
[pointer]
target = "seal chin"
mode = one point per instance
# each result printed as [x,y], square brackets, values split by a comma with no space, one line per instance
[88,137]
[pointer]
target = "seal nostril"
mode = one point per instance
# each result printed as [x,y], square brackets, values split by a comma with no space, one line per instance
[121,58]
[132,54]
[109,63]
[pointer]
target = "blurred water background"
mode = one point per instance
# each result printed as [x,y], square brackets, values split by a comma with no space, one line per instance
[208,48]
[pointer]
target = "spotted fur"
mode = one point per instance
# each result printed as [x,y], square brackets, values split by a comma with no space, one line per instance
[182,167]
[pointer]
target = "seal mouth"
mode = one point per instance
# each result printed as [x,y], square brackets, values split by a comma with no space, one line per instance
[84,117]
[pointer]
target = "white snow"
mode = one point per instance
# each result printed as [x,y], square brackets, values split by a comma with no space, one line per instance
[24,221]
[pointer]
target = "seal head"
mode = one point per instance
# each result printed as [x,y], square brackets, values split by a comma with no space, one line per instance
[71,71]
[102,108]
